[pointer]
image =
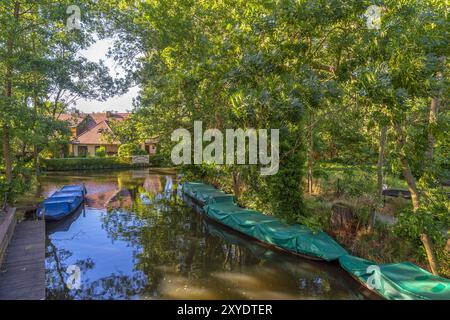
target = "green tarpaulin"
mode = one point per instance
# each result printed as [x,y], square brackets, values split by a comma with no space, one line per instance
[192,187]
[398,281]
[206,193]
[295,238]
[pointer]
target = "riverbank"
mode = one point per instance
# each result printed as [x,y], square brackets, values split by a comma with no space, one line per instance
[383,242]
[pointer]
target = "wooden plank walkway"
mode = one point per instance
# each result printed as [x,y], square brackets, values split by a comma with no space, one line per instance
[22,274]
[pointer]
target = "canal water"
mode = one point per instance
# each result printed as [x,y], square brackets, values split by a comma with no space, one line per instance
[136,239]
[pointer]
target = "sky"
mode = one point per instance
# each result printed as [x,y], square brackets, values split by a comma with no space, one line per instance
[119,103]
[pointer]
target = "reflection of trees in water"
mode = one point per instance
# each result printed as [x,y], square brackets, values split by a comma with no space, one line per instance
[55,271]
[315,279]
[114,286]
[160,238]
[134,192]
[126,180]
[173,240]
[120,225]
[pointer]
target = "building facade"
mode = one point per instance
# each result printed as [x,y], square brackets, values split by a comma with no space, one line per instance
[91,131]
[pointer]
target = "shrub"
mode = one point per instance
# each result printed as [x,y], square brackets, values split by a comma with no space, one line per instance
[159,161]
[130,149]
[100,152]
[67,164]
[22,181]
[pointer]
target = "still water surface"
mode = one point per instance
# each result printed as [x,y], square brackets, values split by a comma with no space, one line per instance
[135,239]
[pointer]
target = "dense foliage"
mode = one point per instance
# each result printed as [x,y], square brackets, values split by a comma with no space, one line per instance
[100,152]
[127,150]
[41,76]
[337,89]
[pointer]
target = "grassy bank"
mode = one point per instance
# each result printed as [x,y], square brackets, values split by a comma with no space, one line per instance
[355,188]
[383,243]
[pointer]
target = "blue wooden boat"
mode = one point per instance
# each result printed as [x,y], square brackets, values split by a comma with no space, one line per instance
[62,203]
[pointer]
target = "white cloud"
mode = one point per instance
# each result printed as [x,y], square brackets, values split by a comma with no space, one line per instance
[122,103]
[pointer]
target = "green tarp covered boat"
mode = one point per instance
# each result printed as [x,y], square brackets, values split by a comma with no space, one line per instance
[397,281]
[296,239]
[205,193]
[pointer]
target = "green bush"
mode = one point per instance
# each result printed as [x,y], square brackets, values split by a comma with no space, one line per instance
[159,160]
[100,152]
[130,149]
[67,164]
[22,181]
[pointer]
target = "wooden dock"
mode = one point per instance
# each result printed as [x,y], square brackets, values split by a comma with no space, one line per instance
[22,274]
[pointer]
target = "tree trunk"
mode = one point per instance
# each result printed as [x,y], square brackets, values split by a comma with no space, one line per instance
[310,154]
[429,248]
[406,170]
[7,153]
[8,93]
[380,165]
[36,160]
[432,119]
[6,133]
[415,199]
[236,184]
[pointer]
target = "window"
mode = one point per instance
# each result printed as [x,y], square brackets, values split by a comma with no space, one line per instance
[82,151]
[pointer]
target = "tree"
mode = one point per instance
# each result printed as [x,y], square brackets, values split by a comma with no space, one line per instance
[41,76]
[399,83]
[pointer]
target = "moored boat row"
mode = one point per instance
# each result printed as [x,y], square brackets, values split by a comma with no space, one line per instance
[396,281]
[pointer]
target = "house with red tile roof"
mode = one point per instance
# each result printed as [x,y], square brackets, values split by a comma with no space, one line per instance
[78,122]
[109,116]
[91,131]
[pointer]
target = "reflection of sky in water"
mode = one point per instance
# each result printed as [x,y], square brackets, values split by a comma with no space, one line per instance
[163,250]
[87,239]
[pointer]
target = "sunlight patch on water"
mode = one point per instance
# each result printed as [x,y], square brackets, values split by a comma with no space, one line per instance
[175,287]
